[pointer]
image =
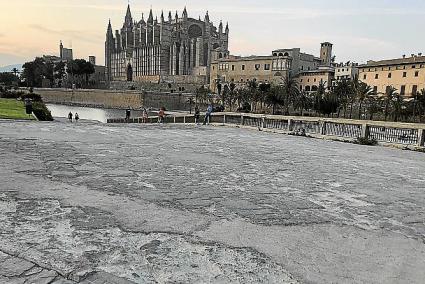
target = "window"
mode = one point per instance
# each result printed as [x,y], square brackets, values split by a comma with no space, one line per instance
[389,75]
[413,66]
[243,67]
[301,80]
[364,77]
[302,67]
[314,79]
[414,89]
[213,67]
[388,90]
[417,74]
[257,67]
[266,66]
[403,90]
[375,89]
[233,67]
[404,74]
[376,76]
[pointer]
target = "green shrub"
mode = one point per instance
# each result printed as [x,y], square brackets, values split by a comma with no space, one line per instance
[41,111]
[366,141]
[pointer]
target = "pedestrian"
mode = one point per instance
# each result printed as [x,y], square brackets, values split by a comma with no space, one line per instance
[77,117]
[145,115]
[161,115]
[70,116]
[207,119]
[197,115]
[128,113]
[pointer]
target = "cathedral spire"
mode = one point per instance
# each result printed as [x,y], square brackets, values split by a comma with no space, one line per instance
[128,17]
[162,16]
[150,19]
[227,27]
[220,27]
[184,13]
[207,17]
[170,17]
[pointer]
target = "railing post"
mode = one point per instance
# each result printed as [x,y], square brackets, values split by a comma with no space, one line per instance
[365,131]
[224,119]
[174,119]
[242,119]
[184,119]
[290,124]
[322,127]
[263,122]
[421,137]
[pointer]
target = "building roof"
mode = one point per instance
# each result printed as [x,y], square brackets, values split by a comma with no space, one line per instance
[247,58]
[398,61]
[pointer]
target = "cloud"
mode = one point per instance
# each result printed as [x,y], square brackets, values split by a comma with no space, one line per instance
[73,34]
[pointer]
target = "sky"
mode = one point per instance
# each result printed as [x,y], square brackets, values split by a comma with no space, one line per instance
[360,30]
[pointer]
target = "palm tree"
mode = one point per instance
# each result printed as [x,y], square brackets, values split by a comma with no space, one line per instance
[397,102]
[343,90]
[290,92]
[389,95]
[352,96]
[363,91]
[302,102]
[372,105]
[274,97]
[421,104]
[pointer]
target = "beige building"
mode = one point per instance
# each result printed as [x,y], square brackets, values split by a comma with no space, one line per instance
[346,71]
[309,81]
[270,69]
[262,69]
[406,74]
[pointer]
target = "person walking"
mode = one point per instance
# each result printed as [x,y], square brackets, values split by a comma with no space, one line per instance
[197,115]
[70,116]
[128,114]
[161,115]
[208,115]
[145,115]
[77,117]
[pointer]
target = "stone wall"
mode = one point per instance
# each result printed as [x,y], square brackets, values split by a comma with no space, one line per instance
[97,98]
[116,98]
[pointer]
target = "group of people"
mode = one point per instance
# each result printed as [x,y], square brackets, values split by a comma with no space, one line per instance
[208,113]
[76,117]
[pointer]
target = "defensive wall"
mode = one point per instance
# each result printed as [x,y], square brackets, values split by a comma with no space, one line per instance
[405,135]
[116,98]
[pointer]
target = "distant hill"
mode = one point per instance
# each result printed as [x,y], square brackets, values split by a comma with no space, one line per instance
[9,68]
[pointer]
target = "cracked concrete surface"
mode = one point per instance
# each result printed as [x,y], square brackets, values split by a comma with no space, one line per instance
[93,203]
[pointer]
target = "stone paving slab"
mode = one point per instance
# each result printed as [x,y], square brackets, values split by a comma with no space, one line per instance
[184,204]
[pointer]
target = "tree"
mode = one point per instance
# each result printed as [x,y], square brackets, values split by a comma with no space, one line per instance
[190,101]
[290,92]
[363,90]
[325,103]
[343,89]
[274,97]
[397,102]
[231,98]
[59,70]
[34,72]
[8,79]
[373,106]
[80,67]
[389,95]
[421,104]
[302,102]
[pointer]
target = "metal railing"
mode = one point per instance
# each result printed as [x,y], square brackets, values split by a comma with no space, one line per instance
[384,132]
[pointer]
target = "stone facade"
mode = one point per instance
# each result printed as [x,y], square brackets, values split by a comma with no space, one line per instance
[271,69]
[153,50]
[406,74]
[346,71]
[309,81]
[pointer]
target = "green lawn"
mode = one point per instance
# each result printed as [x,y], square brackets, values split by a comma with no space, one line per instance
[13,109]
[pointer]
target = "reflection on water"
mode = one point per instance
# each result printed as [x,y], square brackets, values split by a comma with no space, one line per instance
[88,113]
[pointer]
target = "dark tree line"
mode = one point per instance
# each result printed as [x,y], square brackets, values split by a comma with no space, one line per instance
[351,99]
[34,72]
